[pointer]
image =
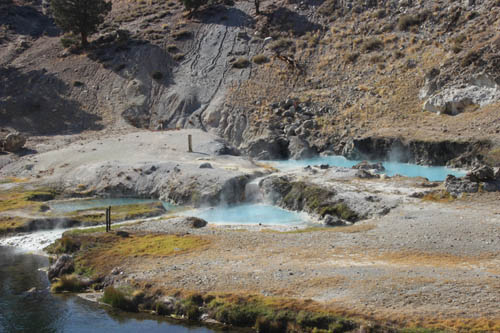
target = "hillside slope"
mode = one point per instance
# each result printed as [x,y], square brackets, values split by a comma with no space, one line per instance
[348,77]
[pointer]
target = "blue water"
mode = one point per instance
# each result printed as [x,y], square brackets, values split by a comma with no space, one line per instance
[248,214]
[43,312]
[74,205]
[433,173]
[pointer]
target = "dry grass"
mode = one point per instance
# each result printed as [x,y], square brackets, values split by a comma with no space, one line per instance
[432,259]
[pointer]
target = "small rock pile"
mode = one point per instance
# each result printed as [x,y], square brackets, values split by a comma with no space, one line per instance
[482,178]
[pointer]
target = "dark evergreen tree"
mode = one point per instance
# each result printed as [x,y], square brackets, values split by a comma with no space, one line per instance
[193,5]
[257,7]
[81,17]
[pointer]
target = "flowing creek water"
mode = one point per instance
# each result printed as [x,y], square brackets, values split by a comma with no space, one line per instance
[433,173]
[26,305]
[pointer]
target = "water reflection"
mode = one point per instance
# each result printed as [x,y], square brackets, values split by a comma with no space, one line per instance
[22,310]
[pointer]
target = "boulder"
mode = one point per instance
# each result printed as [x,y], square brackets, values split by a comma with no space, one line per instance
[333,221]
[365,165]
[188,222]
[206,165]
[365,174]
[300,149]
[481,174]
[455,186]
[63,265]
[14,142]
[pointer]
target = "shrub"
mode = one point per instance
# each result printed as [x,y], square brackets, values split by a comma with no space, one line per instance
[470,57]
[372,44]
[118,299]
[69,283]
[172,48]
[241,63]
[281,45]
[182,34]
[68,41]
[351,57]
[260,59]
[178,57]
[65,244]
[157,76]
[407,21]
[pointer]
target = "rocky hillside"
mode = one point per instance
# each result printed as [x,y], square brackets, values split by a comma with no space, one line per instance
[413,80]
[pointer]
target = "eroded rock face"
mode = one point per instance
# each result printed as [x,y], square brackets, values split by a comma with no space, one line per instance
[454,100]
[63,265]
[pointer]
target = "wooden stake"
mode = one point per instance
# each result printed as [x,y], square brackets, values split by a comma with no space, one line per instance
[190,143]
[109,217]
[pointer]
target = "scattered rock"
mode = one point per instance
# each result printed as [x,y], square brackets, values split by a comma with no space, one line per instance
[455,186]
[365,165]
[122,233]
[63,265]
[206,165]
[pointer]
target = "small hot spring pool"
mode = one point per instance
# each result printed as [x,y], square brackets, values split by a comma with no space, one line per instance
[433,173]
[68,206]
[248,214]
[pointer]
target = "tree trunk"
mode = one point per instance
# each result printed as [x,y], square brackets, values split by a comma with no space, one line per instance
[85,42]
[257,5]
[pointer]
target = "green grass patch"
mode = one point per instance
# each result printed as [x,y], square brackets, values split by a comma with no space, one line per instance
[119,298]
[118,213]
[266,318]
[65,244]
[12,224]
[154,245]
[75,232]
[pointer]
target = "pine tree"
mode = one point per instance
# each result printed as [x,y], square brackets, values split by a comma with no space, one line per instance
[81,17]
[193,5]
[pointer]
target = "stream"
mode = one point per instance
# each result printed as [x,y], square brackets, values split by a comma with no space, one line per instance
[23,309]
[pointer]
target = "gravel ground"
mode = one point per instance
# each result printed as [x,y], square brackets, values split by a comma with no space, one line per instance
[423,259]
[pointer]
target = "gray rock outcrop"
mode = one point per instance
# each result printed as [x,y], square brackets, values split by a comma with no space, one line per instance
[479,92]
[63,265]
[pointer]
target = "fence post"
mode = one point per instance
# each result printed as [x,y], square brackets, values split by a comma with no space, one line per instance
[109,217]
[190,143]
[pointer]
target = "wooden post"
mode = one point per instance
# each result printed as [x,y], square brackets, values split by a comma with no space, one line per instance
[190,143]
[109,217]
